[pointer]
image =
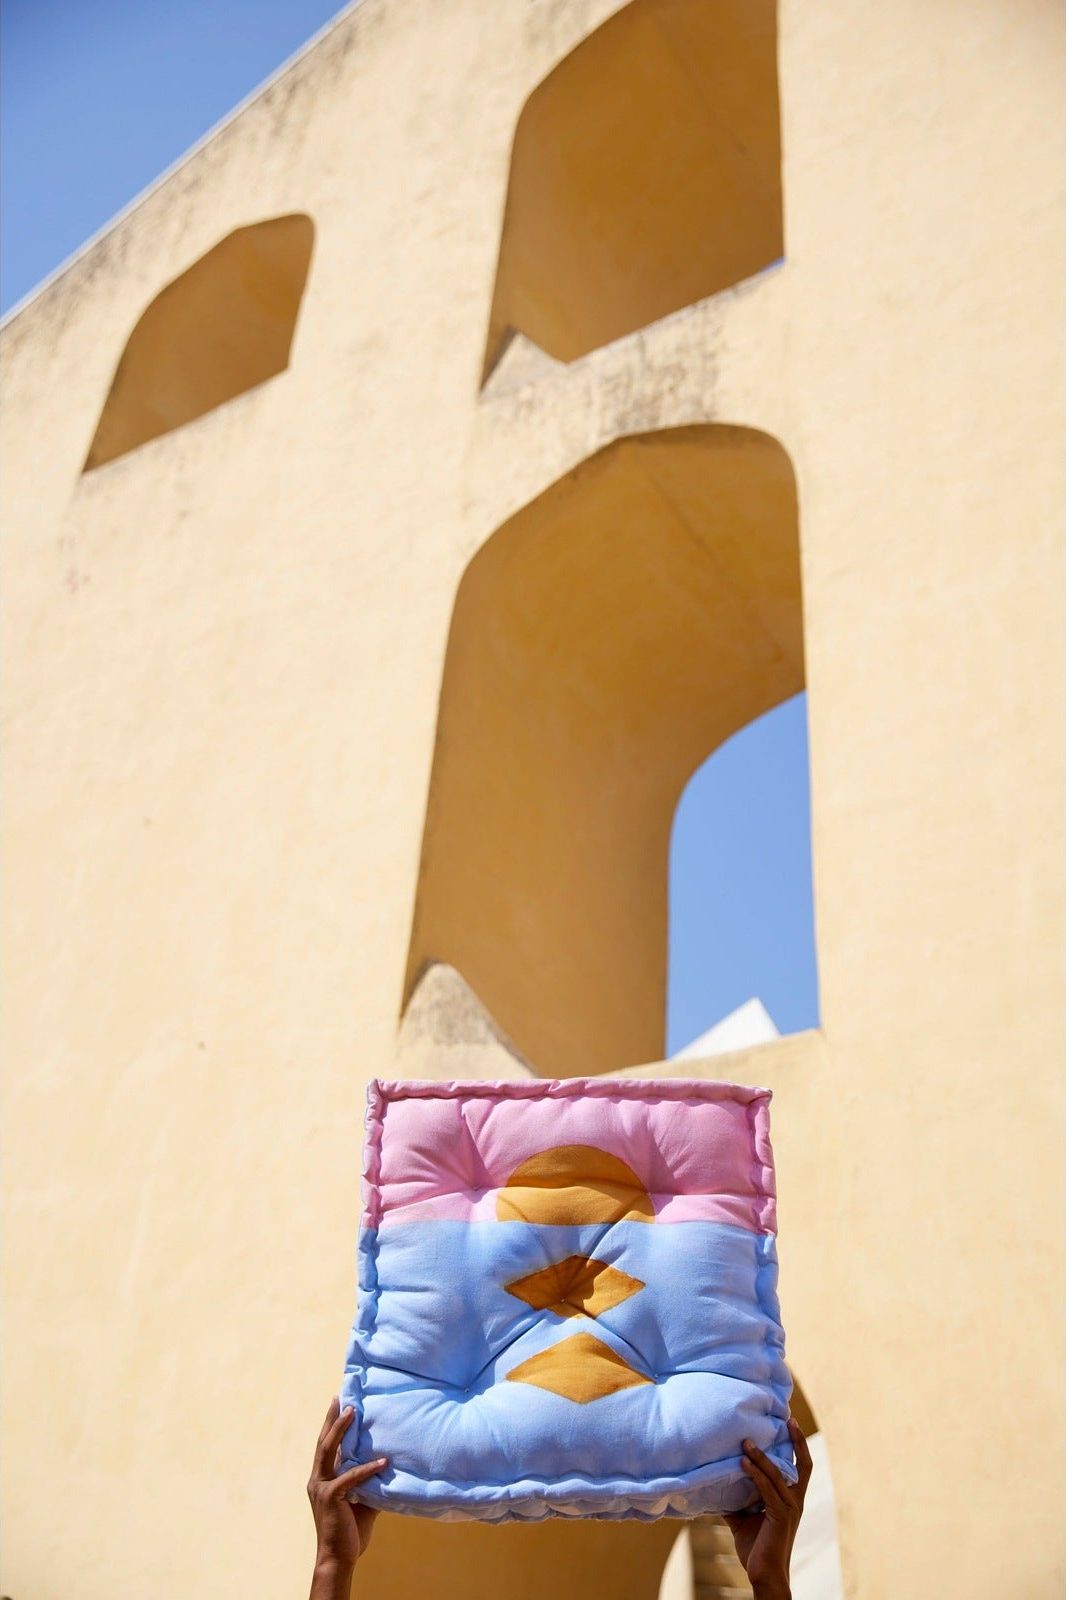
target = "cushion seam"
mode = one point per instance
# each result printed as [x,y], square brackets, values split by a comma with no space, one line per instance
[381,1094]
[565,1088]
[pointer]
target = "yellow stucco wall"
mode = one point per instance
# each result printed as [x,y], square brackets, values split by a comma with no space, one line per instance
[609,635]
[222,658]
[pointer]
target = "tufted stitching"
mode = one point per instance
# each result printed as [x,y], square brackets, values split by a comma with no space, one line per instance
[379,1096]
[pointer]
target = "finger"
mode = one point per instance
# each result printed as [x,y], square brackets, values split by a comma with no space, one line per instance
[771,1484]
[762,1460]
[355,1476]
[334,1436]
[365,1517]
[804,1463]
[771,1499]
[326,1459]
[331,1417]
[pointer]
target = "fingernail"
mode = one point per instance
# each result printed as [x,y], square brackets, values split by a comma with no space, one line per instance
[349,1411]
[380,1462]
[749,1444]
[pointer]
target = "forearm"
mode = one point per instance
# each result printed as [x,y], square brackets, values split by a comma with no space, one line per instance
[332,1580]
[769,1591]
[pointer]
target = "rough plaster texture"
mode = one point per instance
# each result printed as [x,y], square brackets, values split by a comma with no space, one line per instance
[223,653]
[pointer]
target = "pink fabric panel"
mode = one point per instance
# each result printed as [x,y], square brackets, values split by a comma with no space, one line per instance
[479,1205]
[446,1148]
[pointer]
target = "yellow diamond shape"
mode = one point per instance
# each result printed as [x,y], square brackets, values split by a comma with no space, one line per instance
[580,1286]
[581,1368]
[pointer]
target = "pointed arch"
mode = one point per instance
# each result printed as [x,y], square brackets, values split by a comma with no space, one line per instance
[223,327]
[603,641]
[645,175]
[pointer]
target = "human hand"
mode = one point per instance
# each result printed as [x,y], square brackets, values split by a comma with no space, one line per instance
[764,1539]
[343,1526]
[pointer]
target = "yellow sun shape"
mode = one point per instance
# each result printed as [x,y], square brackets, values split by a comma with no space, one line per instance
[572,1184]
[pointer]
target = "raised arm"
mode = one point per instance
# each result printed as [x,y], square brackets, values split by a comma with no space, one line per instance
[764,1537]
[343,1526]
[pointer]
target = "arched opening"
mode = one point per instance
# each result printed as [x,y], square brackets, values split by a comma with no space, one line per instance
[645,175]
[222,327]
[611,633]
[742,961]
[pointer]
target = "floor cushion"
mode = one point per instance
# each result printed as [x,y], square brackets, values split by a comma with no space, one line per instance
[567,1299]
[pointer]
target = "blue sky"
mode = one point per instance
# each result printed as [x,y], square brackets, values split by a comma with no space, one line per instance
[96,99]
[741,913]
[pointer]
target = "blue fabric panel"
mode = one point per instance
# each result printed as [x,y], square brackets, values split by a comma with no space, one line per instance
[437,1334]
